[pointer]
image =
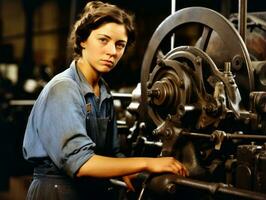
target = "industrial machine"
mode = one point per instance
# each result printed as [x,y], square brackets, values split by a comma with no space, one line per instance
[202,100]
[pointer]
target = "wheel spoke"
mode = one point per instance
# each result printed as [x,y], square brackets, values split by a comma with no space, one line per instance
[204,39]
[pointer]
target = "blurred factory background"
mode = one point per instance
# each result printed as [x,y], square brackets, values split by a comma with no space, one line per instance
[33,48]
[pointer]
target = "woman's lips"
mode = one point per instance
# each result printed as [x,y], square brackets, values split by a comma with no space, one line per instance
[108,62]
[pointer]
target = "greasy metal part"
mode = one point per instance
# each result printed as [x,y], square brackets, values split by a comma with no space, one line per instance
[162,183]
[258,103]
[242,22]
[258,21]
[174,90]
[258,107]
[198,104]
[149,143]
[211,21]
[228,136]
[135,101]
[170,88]
[260,75]
[250,168]
[119,95]
[118,183]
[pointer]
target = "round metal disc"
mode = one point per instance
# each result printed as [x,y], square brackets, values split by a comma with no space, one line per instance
[212,23]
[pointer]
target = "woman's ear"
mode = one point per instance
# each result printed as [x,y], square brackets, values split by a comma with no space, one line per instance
[83,44]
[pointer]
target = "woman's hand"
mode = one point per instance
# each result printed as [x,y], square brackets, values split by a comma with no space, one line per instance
[159,165]
[127,180]
[166,164]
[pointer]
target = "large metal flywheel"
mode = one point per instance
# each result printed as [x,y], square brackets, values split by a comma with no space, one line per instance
[169,76]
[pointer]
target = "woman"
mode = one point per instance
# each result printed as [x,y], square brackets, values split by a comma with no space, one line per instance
[71,135]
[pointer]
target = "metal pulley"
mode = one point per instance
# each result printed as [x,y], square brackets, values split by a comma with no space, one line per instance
[169,77]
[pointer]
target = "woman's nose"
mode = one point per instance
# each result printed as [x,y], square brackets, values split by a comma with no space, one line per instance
[111,49]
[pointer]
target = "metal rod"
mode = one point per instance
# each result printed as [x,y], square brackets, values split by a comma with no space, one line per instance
[25,102]
[225,8]
[227,136]
[245,136]
[121,95]
[214,188]
[118,183]
[173,9]
[242,18]
[199,135]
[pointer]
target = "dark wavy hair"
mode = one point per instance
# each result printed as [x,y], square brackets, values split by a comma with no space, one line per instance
[96,14]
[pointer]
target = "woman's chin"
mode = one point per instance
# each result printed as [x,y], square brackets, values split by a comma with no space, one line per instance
[105,69]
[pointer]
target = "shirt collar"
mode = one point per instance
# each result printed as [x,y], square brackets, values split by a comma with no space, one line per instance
[85,86]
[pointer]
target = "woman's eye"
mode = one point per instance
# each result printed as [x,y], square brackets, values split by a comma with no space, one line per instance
[120,46]
[103,40]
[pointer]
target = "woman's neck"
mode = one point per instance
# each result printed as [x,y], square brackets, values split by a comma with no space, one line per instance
[91,75]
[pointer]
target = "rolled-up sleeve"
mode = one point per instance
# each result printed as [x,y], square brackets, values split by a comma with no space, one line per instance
[61,126]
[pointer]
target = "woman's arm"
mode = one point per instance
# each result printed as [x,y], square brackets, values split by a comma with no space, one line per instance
[106,167]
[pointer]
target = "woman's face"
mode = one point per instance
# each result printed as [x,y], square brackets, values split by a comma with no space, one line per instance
[104,47]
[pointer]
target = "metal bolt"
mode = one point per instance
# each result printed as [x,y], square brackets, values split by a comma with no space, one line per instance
[168,132]
[227,67]
[155,132]
[142,125]
[198,60]
[169,117]
[153,93]
[161,62]
[171,188]
[231,81]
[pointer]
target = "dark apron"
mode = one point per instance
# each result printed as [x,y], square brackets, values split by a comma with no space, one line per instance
[50,184]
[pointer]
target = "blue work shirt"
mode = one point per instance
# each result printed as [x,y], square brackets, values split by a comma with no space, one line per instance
[68,124]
